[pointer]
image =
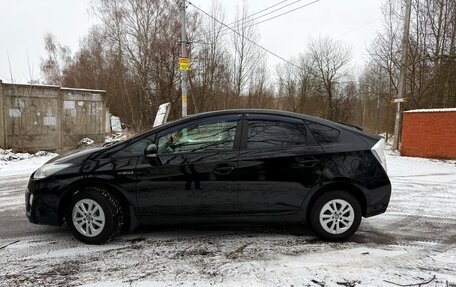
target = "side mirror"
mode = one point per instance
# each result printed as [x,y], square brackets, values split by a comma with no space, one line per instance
[151,151]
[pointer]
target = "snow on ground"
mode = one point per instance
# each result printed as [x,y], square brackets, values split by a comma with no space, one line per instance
[22,163]
[413,242]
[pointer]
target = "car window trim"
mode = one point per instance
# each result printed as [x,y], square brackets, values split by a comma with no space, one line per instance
[269,117]
[198,152]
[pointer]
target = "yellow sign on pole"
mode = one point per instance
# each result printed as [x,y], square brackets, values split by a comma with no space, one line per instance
[183,64]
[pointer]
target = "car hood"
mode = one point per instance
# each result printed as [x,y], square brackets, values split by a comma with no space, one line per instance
[76,156]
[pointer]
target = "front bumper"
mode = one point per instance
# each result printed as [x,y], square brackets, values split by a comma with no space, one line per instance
[41,208]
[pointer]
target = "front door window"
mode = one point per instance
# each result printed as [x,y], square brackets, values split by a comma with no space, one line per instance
[199,137]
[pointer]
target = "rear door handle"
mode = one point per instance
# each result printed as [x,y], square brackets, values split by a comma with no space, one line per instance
[222,170]
[308,163]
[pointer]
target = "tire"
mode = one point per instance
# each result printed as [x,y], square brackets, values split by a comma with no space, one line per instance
[95,216]
[335,215]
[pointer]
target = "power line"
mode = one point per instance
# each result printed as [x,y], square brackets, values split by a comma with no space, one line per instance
[297,8]
[256,13]
[271,18]
[357,28]
[276,16]
[254,43]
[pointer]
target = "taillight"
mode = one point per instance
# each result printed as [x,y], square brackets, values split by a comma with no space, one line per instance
[379,152]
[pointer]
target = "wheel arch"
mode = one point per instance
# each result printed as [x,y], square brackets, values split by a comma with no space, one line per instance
[349,187]
[127,206]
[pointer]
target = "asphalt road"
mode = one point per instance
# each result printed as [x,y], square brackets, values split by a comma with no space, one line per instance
[414,241]
[421,219]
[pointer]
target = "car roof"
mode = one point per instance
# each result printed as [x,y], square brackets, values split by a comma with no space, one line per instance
[259,111]
[247,111]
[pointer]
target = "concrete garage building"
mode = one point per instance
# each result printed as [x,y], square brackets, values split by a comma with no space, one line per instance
[429,133]
[50,118]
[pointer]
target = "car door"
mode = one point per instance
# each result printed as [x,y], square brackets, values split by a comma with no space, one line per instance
[278,164]
[195,170]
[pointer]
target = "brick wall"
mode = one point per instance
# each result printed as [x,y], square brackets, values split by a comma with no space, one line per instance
[429,133]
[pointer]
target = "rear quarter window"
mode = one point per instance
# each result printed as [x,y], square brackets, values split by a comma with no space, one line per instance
[323,134]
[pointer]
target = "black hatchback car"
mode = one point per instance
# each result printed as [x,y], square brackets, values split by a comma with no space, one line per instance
[233,166]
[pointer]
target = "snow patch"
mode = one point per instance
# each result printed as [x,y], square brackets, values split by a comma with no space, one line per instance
[85,142]
[22,163]
[8,155]
[432,110]
[75,251]
[115,137]
[448,257]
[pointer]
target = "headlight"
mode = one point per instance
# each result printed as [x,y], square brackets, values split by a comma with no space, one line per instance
[48,169]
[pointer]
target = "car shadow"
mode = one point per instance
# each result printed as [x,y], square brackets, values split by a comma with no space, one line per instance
[246,230]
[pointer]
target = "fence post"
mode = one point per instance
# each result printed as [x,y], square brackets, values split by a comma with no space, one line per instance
[60,120]
[2,118]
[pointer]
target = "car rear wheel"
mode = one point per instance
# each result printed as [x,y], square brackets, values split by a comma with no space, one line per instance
[95,216]
[335,215]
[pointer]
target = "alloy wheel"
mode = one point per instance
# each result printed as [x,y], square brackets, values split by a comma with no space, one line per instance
[337,216]
[88,217]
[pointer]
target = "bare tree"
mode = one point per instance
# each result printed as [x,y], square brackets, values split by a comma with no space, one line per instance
[209,75]
[431,48]
[133,54]
[288,85]
[330,62]
[309,88]
[246,54]
[57,58]
[260,94]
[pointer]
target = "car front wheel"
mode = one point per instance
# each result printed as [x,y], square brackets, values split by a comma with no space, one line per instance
[95,216]
[335,215]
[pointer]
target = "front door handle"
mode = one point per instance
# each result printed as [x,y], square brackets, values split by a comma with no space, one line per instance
[223,170]
[308,163]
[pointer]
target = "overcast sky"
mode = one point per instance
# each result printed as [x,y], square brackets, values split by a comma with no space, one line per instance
[24,23]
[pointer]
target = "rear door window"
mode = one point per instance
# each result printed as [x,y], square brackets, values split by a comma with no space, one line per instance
[265,134]
[323,134]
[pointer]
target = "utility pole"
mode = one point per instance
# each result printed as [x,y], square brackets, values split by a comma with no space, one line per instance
[403,71]
[183,61]
[377,126]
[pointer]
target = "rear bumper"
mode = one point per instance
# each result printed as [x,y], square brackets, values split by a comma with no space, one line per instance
[41,208]
[376,209]
[377,200]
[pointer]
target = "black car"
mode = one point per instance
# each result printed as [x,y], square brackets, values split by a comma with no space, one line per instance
[233,166]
